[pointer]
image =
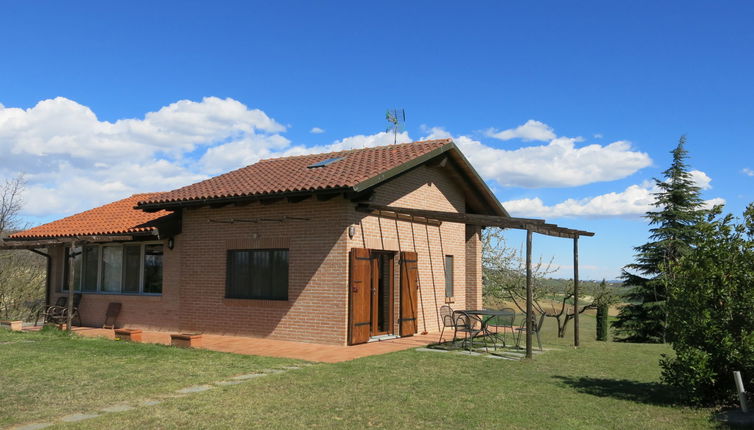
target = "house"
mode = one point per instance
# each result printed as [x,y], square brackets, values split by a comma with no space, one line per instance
[335,248]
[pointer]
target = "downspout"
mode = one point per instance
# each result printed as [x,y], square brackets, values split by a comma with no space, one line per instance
[48,281]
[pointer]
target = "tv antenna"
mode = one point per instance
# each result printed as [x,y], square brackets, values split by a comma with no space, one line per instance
[396,119]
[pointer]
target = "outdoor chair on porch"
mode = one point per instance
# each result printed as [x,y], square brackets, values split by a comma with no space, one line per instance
[58,314]
[499,325]
[471,326]
[448,320]
[536,325]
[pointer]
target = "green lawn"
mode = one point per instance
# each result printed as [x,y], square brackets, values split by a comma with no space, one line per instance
[46,375]
[601,385]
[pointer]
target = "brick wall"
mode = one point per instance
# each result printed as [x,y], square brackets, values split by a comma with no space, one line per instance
[424,188]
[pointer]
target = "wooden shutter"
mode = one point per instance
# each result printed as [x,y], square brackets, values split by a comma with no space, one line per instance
[360,294]
[409,290]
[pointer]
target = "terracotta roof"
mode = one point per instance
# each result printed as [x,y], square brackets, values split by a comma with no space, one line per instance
[115,218]
[292,174]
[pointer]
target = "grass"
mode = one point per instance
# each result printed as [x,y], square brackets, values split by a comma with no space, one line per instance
[50,374]
[601,385]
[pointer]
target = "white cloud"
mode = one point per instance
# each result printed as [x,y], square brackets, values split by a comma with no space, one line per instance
[73,161]
[559,163]
[317,130]
[701,179]
[634,201]
[598,136]
[531,130]
[747,171]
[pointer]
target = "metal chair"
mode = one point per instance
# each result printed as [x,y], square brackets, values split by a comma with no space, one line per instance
[58,314]
[471,326]
[535,327]
[501,323]
[446,314]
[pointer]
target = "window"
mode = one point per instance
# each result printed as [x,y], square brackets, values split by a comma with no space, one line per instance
[448,276]
[116,268]
[257,274]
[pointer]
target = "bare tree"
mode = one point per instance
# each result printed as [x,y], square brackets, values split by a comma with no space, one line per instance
[10,203]
[22,273]
[505,279]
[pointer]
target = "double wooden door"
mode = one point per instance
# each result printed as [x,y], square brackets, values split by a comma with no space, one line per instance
[371,294]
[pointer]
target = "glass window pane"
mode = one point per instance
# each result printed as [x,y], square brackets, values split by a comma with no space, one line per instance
[257,274]
[90,262]
[112,268]
[132,268]
[153,269]
[448,276]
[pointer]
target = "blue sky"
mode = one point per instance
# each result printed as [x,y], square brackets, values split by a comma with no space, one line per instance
[101,100]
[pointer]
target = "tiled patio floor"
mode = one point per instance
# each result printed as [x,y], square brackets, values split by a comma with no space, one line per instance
[281,348]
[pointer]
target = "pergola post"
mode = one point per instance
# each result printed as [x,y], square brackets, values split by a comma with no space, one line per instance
[529,298]
[71,268]
[576,291]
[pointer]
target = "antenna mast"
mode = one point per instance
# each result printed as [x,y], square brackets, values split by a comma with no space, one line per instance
[396,119]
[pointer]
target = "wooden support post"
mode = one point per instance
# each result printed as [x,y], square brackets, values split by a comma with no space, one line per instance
[576,291]
[529,298]
[71,287]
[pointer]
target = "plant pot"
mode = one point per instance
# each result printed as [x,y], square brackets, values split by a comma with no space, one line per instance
[186,340]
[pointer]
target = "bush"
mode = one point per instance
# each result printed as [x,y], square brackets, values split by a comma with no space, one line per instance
[602,326]
[710,318]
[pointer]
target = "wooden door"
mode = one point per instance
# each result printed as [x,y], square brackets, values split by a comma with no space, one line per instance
[409,292]
[360,296]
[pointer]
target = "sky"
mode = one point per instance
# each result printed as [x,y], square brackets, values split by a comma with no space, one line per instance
[567,109]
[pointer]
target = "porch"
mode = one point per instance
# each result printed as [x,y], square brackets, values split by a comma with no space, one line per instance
[280,348]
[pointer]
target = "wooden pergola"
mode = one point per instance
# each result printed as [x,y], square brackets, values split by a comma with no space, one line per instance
[530,225]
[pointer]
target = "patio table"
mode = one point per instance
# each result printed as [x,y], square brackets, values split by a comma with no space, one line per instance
[485,315]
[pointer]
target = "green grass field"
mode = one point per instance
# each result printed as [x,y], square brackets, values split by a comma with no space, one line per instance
[601,385]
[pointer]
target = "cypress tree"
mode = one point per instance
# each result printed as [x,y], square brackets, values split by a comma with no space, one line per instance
[678,210]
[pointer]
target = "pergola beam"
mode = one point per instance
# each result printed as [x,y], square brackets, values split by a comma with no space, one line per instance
[534,225]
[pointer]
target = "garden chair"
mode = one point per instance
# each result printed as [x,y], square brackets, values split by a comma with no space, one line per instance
[54,309]
[501,324]
[446,314]
[536,325]
[59,314]
[471,326]
[111,316]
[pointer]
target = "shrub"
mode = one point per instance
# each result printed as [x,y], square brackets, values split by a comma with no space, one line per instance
[710,318]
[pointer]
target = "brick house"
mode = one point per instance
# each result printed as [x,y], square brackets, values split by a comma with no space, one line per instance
[304,248]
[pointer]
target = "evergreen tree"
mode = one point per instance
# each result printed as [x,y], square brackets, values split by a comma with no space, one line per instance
[673,230]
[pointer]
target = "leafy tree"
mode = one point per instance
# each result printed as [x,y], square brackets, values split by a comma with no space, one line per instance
[678,206]
[710,318]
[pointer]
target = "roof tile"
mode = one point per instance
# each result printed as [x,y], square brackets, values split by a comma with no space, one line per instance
[115,218]
[291,174]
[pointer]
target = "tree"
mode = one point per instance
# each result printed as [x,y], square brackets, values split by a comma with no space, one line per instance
[505,279]
[22,273]
[710,318]
[673,231]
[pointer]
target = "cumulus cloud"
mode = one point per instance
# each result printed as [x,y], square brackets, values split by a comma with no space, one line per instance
[74,161]
[560,163]
[317,130]
[530,130]
[748,172]
[634,201]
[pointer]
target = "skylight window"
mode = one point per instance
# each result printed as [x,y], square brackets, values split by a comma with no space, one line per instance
[324,163]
